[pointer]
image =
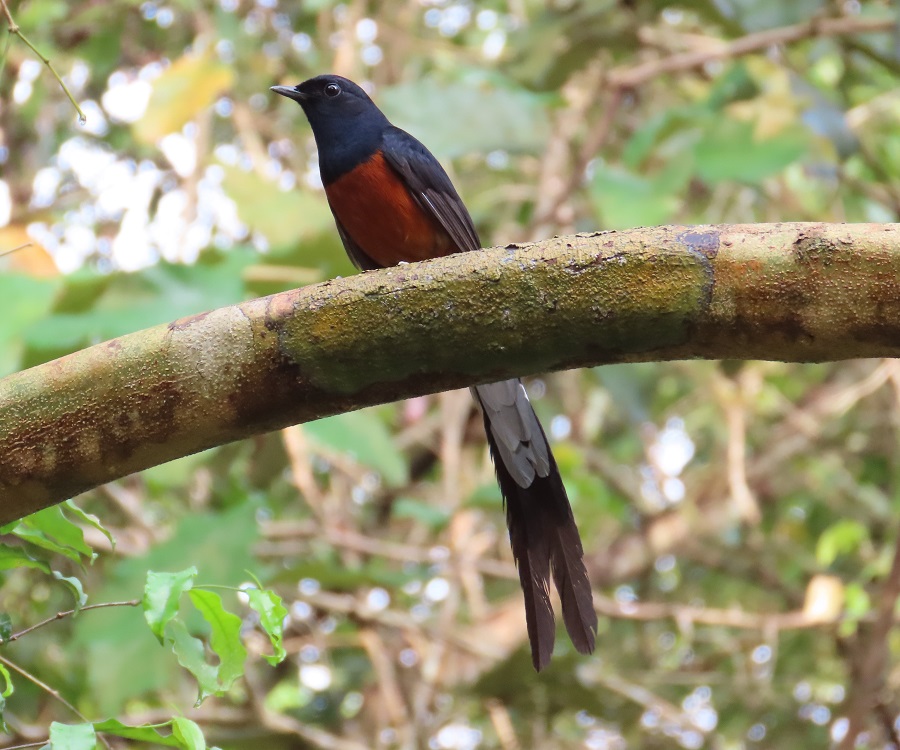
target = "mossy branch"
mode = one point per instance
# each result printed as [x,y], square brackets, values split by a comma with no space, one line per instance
[792,292]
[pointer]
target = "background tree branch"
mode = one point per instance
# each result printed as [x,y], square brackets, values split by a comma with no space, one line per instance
[792,292]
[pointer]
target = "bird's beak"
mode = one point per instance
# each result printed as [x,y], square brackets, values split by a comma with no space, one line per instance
[290,93]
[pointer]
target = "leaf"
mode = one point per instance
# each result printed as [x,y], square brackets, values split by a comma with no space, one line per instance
[188,734]
[363,435]
[162,592]
[5,626]
[190,85]
[74,585]
[268,605]
[285,217]
[729,151]
[841,538]
[90,520]
[625,199]
[25,301]
[16,557]
[434,518]
[460,118]
[8,690]
[53,531]
[225,636]
[192,656]
[8,687]
[72,736]
[129,302]
[146,733]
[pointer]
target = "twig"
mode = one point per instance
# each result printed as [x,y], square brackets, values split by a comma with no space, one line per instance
[61,615]
[49,690]
[594,141]
[632,77]
[15,249]
[349,605]
[14,29]
[732,399]
[683,614]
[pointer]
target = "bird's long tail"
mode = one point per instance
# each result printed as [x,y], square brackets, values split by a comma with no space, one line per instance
[542,530]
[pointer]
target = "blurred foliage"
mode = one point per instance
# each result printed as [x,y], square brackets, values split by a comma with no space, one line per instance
[739,518]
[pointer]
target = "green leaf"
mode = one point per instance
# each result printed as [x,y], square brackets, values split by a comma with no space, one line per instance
[366,438]
[729,151]
[53,531]
[225,636]
[25,301]
[434,518]
[268,605]
[841,538]
[5,626]
[470,116]
[146,733]
[191,655]
[625,199]
[285,217]
[72,736]
[162,592]
[74,585]
[8,687]
[188,734]
[90,520]
[16,557]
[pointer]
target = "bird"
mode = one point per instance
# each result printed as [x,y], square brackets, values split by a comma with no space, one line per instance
[393,202]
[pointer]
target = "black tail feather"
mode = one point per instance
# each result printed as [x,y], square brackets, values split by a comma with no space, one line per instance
[544,538]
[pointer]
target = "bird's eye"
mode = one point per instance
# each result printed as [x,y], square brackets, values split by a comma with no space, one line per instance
[332,90]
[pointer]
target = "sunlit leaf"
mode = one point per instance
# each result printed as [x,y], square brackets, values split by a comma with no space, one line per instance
[90,520]
[729,151]
[74,586]
[187,87]
[841,538]
[17,557]
[52,530]
[8,687]
[224,638]
[454,119]
[268,605]
[188,734]
[363,435]
[284,217]
[625,199]
[72,736]
[162,593]
[146,733]
[416,510]
[191,655]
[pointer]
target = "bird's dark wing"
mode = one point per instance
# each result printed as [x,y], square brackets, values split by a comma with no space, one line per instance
[431,187]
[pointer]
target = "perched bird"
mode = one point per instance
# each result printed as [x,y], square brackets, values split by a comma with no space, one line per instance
[392,202]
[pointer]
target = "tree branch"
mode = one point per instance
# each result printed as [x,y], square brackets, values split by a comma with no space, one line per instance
[632,77]
[793,292]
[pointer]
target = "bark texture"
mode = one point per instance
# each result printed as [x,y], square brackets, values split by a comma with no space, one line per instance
[792,292]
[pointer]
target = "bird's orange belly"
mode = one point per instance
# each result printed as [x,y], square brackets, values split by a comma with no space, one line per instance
[376,209]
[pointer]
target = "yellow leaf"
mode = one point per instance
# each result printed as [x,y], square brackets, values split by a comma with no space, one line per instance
[186,88]
[33,259]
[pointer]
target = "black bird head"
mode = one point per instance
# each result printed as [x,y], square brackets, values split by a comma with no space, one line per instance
[343,117]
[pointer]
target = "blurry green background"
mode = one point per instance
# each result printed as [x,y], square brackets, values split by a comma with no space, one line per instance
[724,506]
